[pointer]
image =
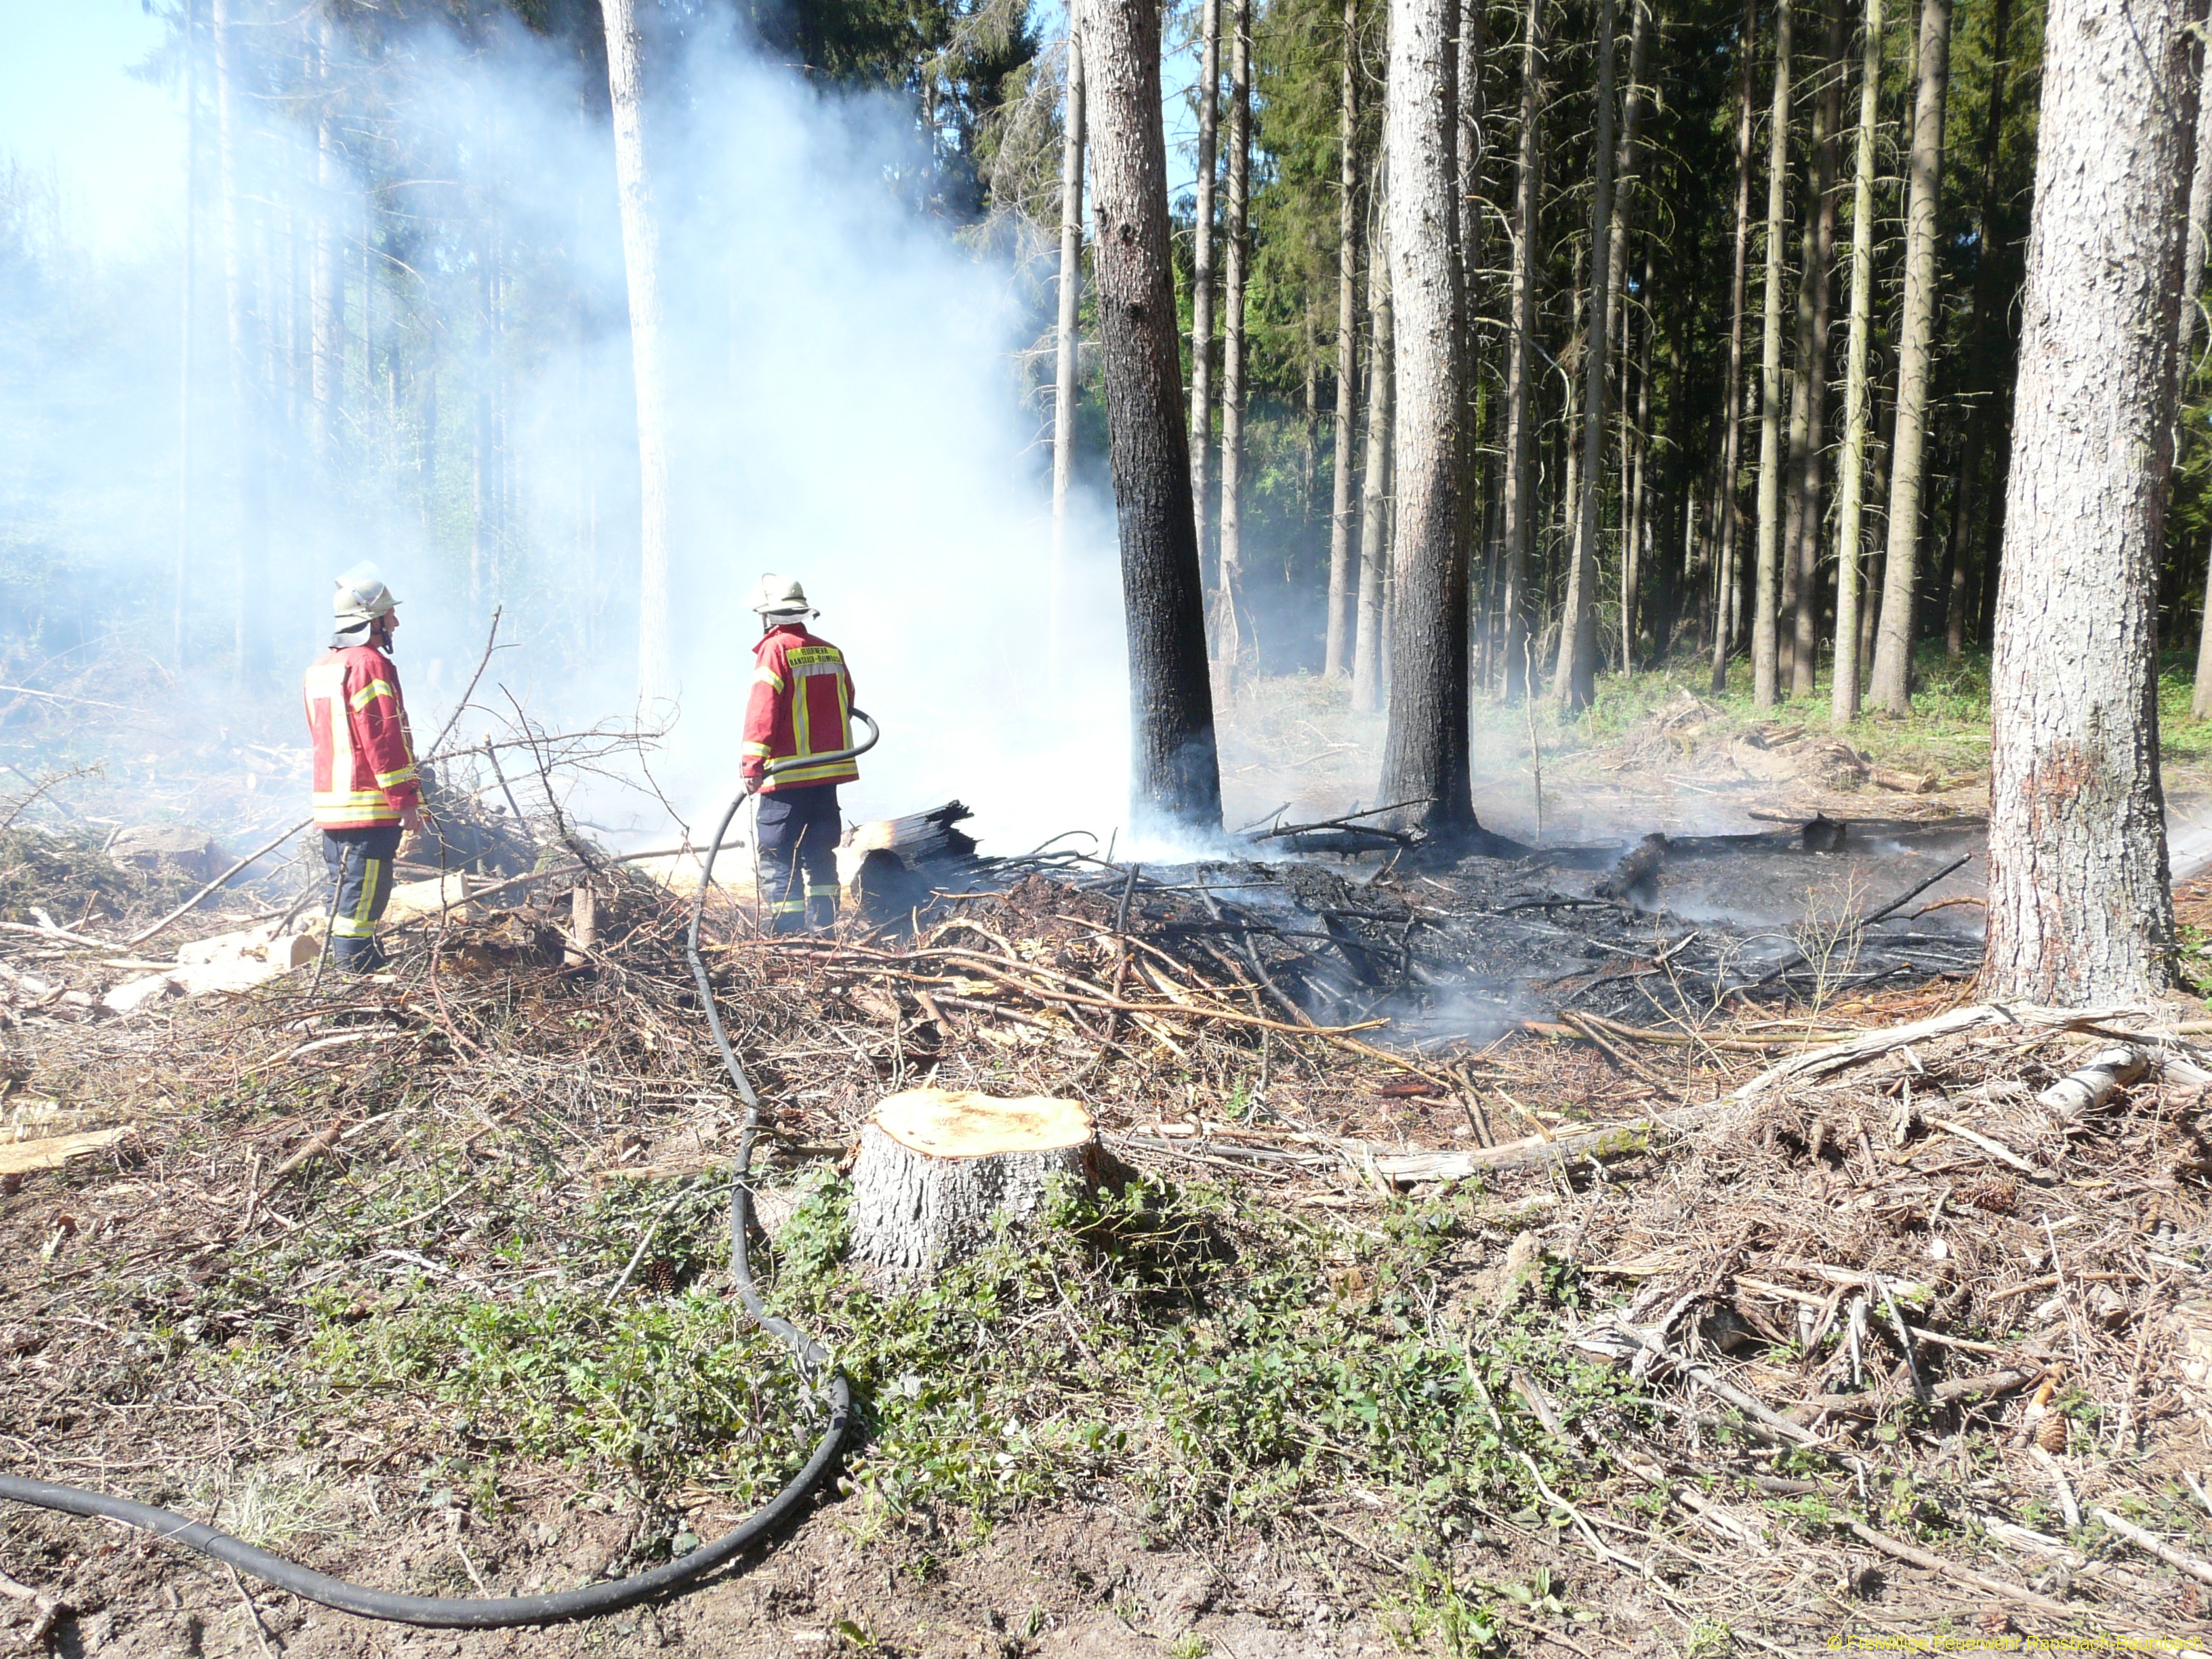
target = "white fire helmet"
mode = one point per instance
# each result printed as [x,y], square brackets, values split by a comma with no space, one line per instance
[781,598]
[362,597]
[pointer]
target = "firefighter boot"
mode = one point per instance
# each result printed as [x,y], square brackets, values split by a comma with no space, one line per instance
[821,908]
[358,956]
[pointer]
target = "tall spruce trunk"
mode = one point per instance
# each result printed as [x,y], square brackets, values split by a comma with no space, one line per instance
[1470,150]
[1521,369]
[1806,480]
[1175,771]
[1767,586]
[328,304]
[187,337]
[1229,598]
[1625,182]
[1343,579]
[1575,682]
[1892,686]
[2079,908]
[641,230]
[1985,366]
[1425,751]
[1201,278]
[2196,252]
[250,544]
[1724,618]
[1367,673]
[1069,355]
[1852,465]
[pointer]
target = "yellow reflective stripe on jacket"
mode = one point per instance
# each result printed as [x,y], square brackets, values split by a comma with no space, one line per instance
[837,771]
[766,676]
[370,693]
[756,750]
[404,774]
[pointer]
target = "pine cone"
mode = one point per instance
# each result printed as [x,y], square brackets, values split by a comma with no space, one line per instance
[2050,1432]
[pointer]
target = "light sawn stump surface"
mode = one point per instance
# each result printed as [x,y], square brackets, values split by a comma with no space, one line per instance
[936,1165]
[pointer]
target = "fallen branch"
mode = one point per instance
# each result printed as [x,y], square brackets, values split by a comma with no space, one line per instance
[2195,1566]
[2090,1086]
[1936,1564]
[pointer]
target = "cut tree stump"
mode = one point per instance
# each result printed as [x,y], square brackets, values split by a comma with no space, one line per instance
[937,1165]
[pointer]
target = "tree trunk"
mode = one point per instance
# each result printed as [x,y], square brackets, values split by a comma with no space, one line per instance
[1575,683]
[1634,561]
[1724,618]
[187,332]
[1229,597]
[1174,773]
[1343,583]
[1367,671]
[1771,461]
[1522,370]
[2194,255]
[1892,687]
[1067,363]
[1425,755]
[1821,255]
[2080,910]
[1851,468]
[328,305]
[1201,279]
[641,227]
[940,1169]
[250,547]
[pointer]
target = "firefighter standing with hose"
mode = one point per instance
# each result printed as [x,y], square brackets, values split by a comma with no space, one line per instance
[366,793]
[801,706]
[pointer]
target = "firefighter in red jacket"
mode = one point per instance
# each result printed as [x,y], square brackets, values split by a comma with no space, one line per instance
[365,792]
[800,706]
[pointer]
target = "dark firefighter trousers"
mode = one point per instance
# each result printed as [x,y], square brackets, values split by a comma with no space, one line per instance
[798,831]
[360,862]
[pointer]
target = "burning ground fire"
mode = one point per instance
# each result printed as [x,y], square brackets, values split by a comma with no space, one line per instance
[1534,1250]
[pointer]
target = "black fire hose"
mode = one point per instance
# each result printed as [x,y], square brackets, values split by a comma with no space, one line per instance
[452,1612]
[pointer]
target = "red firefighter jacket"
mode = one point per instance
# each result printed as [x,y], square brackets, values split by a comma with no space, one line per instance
[364,764]
[801,705]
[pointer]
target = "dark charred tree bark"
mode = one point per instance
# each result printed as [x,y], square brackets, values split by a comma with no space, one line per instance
[1174,772]
[1892,683]
[2080,910]
[1424,756]
[1815,311]
[1343,582]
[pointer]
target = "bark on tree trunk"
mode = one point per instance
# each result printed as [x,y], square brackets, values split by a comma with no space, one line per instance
[2194,257]
[1202,279]
[1067,364]
[640,227]
[1342,581]
[187,335]
[1767,593]
[250,550]
[939,1167]
[1819,262]
[328,305]
[1521,369]
[1851,471]
[2079,910]
[1367,671]
[1425,755]
[1229,597]
[1624,181]
[1724,616]
[1174,772]
[1892,686]
[1575,682]
[1984,367]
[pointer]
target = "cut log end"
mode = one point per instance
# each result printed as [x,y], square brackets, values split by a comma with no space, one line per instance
[939,1167]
